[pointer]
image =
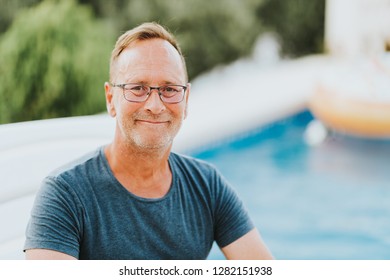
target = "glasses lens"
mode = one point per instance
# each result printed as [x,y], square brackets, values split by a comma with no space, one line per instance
[135,93]
[139,93]
[172,93]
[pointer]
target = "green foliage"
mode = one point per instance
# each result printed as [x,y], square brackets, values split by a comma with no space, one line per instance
[55,56]
[298,23]
[209,32]
[221,33]
[54,63]
[8,10]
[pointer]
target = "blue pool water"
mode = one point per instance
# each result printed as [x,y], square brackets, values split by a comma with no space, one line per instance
[330,201]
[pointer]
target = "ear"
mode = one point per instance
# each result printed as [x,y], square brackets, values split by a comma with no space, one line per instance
[186,100]
[109,100]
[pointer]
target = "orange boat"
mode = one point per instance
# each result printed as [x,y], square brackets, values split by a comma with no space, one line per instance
[355,99]
[354,116]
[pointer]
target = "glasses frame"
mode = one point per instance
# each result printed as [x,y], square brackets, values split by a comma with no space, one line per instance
[150,91]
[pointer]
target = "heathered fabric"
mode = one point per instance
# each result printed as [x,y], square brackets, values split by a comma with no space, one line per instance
[82,210]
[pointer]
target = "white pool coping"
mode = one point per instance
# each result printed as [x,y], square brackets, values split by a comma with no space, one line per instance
[223,103]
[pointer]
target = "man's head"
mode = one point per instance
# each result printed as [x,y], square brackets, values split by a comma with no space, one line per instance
[148,89]
[145,31]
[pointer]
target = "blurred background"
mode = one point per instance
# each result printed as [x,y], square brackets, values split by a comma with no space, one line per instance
[55,54]
[290,100]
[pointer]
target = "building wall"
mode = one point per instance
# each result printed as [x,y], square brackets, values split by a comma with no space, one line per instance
[355,27]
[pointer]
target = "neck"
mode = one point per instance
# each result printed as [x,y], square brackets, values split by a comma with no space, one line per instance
[145,173]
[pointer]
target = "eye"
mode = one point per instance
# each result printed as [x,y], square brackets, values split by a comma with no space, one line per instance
[171,90]
[136,88]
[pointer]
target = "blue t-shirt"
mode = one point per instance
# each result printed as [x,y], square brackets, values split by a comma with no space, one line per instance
[82,210]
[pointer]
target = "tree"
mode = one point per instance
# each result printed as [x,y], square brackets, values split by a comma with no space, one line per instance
[209,32]
[299,24]
[54,63]
[9,9]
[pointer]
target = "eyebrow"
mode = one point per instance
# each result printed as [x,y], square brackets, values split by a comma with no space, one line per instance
[142,82]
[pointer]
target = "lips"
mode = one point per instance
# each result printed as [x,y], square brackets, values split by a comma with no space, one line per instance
[155,122]
[152,119]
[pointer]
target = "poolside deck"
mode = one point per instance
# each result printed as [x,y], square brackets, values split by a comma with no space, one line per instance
[245,95]
[224,102]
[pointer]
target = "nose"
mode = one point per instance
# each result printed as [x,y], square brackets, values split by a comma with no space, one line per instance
[154,104]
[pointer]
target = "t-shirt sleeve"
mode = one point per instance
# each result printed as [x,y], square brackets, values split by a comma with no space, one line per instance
[55,219]
[232,220]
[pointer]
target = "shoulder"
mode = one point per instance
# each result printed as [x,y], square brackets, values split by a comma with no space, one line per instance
[83,162]
[72,182]
[77,172]
[198,174]
[197,169]
[190,163]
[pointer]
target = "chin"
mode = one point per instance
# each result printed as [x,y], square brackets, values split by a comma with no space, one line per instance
[155,144]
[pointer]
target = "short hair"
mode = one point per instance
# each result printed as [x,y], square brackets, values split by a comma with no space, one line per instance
[145,31]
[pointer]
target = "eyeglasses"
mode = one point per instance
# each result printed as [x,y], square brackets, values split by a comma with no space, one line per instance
[171,94]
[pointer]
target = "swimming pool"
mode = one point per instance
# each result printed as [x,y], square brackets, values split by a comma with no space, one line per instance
[329,201]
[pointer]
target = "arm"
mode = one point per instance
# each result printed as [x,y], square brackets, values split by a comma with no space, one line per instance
[44,254]
[248,247]
[54,226]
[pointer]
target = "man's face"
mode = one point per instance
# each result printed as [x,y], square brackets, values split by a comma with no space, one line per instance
[151,124]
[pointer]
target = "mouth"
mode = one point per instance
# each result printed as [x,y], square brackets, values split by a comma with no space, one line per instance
[152,122]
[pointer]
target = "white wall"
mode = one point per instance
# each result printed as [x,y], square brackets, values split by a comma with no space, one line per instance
[356,27]
[28,152]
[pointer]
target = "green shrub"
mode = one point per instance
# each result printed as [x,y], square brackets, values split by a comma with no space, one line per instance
[299,24]
[55,56]
[209,32]
[54,63]
[8,10]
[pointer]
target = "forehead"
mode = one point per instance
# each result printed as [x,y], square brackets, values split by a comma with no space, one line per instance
[150,59]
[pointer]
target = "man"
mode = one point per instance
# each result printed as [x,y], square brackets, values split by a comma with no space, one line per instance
[134,199]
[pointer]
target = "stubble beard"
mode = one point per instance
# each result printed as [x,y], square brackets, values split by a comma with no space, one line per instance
[140,141]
